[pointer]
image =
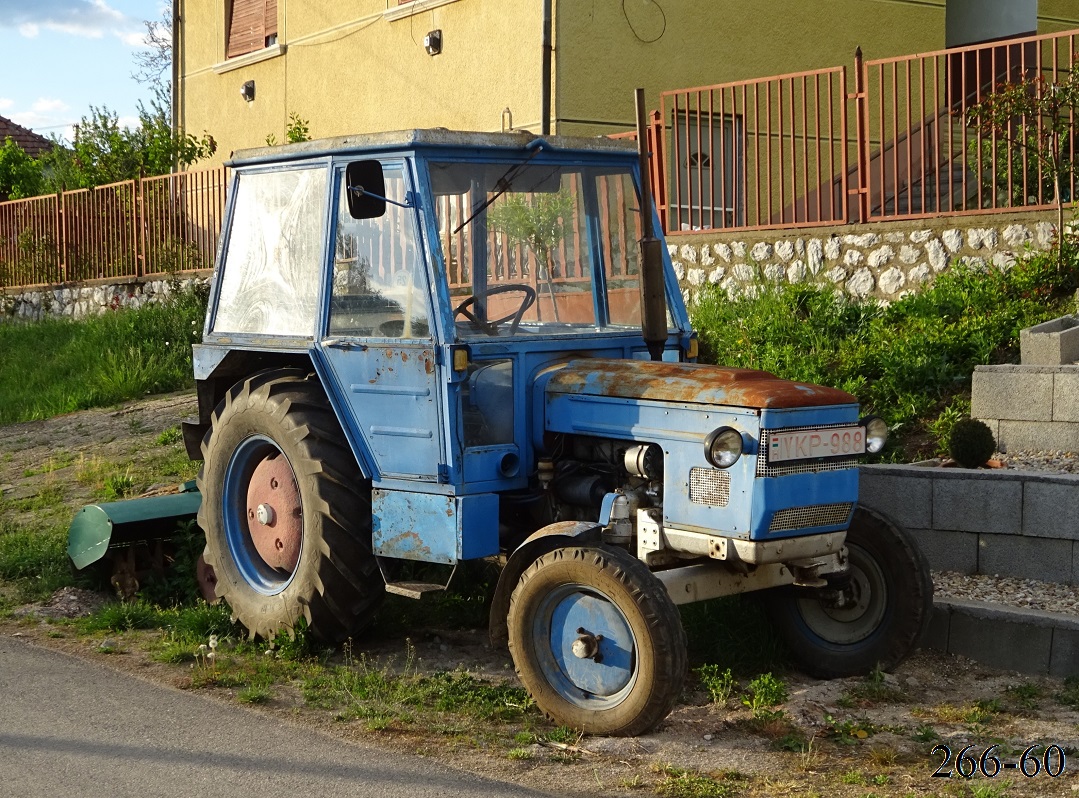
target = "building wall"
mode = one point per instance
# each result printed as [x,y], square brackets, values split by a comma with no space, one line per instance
[356,67]
[603,52]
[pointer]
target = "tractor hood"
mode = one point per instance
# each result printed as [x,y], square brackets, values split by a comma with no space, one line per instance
[690,383]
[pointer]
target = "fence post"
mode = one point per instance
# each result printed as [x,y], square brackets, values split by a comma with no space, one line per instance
[861,138]
[136,227]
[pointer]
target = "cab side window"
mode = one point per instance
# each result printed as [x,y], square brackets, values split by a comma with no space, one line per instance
[379,287]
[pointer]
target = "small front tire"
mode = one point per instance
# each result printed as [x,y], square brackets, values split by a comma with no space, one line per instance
[874,620]
[597,641]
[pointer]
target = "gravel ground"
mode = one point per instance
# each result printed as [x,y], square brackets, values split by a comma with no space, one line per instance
[1024,593]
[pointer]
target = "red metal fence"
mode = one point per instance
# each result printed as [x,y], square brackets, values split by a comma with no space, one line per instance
[132,229]
[804,149]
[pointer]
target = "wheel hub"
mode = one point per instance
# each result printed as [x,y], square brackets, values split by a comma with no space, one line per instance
[274,513]
[596,664]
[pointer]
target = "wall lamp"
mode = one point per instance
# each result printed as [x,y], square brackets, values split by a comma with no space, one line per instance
[432,42]
[247,91]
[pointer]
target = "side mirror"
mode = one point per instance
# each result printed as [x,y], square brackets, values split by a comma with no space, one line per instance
[366,189]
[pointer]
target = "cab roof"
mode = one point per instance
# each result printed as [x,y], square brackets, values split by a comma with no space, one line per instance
[437,138]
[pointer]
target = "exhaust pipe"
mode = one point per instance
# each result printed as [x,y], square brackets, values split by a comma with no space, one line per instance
[653,296]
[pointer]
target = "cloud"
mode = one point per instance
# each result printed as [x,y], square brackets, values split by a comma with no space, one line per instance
[45,105]
[87,18]
[6,103]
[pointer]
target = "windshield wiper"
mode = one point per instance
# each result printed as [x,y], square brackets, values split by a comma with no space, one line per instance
[502,185]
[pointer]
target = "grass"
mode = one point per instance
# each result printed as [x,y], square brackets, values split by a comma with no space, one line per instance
[34,559]
[909,362]
[58,366]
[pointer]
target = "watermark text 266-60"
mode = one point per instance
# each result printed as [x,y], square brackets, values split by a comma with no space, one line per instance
[1048,759]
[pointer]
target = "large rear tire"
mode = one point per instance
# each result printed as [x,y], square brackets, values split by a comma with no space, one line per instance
[874,620]
[597,641]
[285,511]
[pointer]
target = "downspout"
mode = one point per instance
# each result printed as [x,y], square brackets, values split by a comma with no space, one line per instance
[175,99]
[545,82]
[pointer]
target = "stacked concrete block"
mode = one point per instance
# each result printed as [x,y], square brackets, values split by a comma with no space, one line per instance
[1029,408]
[1006,523]
[1053,343]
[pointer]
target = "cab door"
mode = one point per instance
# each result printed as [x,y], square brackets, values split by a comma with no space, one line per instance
[378,343]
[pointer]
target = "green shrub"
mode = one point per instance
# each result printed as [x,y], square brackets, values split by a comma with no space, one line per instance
[906,362]
[971,443]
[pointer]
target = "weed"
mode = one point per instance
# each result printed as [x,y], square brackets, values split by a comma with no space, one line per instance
[679,783]
[849,731]
[719,684]
[883,756]
[1026,695]
[763,692]
[987,790]
[117,486]
[169,436]
[873,690]
[520,754]
[122,617]
[925,734]
[254,694]
[35,560]
[1069,695]
[854,777]
[564,734]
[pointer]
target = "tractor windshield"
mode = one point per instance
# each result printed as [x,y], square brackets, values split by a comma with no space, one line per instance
[536,248]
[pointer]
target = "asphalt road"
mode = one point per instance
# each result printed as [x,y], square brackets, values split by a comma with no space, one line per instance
[73,728]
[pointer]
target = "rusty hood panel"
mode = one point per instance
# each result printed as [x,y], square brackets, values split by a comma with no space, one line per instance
[692,383]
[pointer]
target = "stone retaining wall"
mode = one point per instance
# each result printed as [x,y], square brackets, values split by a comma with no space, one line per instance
[886,260]
[80,301]
[1021,524]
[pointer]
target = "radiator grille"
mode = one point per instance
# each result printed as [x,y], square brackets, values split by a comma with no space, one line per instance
[709,486]
[805,517]
[802,466]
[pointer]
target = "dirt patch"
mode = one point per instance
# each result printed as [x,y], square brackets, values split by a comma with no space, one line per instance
[848,737]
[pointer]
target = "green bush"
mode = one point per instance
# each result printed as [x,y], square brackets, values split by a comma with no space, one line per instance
[907,361]
[971,443]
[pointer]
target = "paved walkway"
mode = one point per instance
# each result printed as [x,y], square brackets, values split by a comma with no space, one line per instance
[69,727]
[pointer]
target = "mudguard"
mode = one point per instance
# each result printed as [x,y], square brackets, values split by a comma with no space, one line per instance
[551,537]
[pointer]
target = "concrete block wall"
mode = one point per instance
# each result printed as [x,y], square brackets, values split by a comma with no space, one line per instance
[1029,408]
[1007,523]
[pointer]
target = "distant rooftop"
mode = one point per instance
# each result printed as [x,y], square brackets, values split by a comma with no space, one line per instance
[30,142]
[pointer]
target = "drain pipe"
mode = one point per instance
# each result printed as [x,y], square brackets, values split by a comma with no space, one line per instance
[175,67]
[545,76]
[653,296]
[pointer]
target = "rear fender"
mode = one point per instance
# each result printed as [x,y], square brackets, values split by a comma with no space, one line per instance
[549,538]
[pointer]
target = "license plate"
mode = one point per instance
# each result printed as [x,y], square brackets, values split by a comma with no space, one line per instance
[805,444]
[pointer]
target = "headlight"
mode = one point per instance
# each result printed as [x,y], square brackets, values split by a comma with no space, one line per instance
[876,433]
[723,447]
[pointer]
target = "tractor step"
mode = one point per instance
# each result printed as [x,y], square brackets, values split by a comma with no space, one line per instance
[413,590]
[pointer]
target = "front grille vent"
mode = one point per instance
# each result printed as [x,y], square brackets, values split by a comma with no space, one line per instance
[709,486]
[800,466]
[805,517]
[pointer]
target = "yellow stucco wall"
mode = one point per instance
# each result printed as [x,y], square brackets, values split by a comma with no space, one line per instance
[350,68]
[601,55]
[347,68]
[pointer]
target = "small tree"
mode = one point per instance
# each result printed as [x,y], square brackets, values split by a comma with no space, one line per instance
[1035,117]
[538,222]
[20,175]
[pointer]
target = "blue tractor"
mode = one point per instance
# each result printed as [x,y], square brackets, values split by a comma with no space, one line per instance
[435,347]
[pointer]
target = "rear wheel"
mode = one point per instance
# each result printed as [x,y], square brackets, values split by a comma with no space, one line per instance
[597,641]
[285,512]
[873,619]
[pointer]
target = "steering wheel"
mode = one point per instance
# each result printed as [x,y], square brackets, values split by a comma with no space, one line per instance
[491,326]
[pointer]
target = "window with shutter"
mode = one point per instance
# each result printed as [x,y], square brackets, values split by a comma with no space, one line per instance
[252,26]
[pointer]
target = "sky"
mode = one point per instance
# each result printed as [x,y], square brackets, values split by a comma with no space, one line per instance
[59,57]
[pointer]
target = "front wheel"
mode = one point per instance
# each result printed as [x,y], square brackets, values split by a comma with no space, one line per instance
[874,619]
[597,641]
